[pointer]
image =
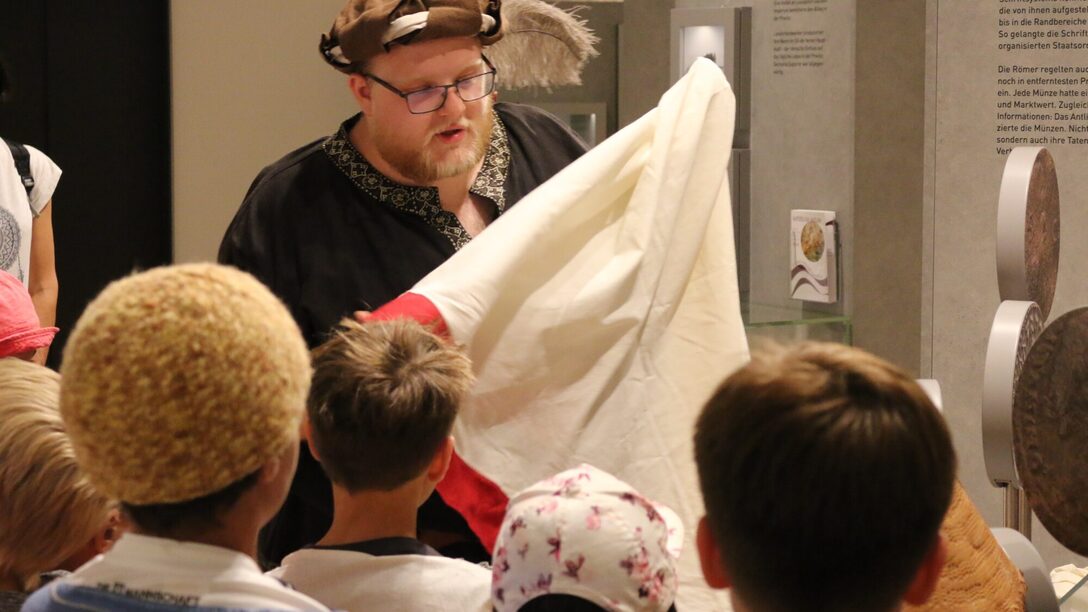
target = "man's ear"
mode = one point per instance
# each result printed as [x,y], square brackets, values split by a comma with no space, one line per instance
[440,464]
[360,90]
[306,432]
[714,570]
[928,574]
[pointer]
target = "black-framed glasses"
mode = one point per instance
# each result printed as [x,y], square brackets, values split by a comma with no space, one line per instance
[430,99]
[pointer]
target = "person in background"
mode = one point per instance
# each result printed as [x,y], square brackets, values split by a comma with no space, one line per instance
[379,416]
[51,519]
[28,179]
[585,540]
[826,474]
[183,390]
[21,333]
[353,220]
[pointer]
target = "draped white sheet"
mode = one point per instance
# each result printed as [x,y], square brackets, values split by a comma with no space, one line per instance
[603,310]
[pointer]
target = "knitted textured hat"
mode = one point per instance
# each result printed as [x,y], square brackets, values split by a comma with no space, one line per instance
[366,28]
[179,381]
[20,329]
[585,533]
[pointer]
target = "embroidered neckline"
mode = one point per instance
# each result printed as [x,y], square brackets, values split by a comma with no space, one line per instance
[423,202]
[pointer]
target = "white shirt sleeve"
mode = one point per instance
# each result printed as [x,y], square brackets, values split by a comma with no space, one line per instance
[46,176]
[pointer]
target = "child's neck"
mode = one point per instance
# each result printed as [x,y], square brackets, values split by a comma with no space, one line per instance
[234,533]
[370,515]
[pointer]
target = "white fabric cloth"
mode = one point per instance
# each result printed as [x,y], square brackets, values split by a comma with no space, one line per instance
[602,311]
[1064,579]
[356,581]
[16,213]
[168,571]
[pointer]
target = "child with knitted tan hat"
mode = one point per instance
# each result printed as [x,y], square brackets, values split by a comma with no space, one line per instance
[182,390]
[826,473]
[379,416]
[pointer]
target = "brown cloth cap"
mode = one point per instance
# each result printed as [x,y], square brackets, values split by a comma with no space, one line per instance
[365,28]
[181,380]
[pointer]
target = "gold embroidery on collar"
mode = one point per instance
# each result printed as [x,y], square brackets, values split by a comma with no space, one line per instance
[423,201]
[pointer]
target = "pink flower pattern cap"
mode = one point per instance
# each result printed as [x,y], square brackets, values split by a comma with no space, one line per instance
[585,533]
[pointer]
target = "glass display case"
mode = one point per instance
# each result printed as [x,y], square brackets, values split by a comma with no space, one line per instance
[785,324]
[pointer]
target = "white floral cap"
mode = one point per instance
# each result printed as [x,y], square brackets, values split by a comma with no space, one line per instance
[586,533]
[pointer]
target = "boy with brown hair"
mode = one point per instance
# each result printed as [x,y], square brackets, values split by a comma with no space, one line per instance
[826,473]
[379,416]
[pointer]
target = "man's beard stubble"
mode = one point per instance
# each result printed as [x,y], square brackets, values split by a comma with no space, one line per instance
[417,163]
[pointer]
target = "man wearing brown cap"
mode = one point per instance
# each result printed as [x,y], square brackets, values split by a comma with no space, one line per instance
[351,221]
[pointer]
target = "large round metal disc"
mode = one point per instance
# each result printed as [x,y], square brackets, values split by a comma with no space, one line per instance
[1028,228]
[1015,328]
[1050,429]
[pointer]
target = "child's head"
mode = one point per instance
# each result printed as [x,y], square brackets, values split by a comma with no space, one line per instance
[584,540]
[49,512]
[826,473]
[183,390]
[383,402]
[21,333]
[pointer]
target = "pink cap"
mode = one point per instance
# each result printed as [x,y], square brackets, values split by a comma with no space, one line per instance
[20,328]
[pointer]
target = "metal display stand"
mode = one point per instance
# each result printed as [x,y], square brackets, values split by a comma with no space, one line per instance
[1015,329]
[1027,268]
[1040,595]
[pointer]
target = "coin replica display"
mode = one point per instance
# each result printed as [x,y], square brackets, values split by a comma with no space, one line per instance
[1028,228]
[1050,426]
[1015,328]
[812,241]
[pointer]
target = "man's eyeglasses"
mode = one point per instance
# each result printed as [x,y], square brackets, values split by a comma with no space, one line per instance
[430,99]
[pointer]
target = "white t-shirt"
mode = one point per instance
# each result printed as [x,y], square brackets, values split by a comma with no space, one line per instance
[16,213]
[184,573]
[357,581]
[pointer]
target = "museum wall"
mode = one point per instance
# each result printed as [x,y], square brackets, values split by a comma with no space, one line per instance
[889,147]
[802,155]
[248,86]
[964,163]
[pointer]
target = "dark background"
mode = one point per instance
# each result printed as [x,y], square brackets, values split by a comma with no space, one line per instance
[90,87]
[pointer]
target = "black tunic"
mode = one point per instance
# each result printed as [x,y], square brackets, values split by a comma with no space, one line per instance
[330,235]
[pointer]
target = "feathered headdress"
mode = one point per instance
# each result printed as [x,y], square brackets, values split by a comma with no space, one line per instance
[543,46]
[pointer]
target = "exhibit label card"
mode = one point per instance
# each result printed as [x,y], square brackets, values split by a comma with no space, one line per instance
[813,260]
